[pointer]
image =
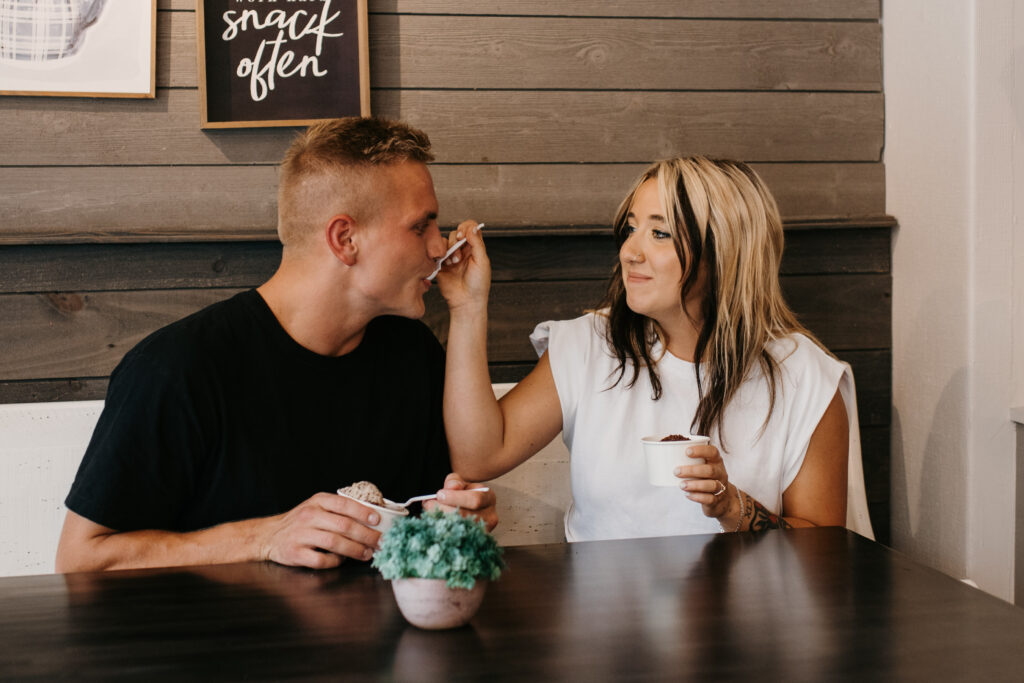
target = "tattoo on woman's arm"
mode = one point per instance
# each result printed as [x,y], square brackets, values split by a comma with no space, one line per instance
[761,518]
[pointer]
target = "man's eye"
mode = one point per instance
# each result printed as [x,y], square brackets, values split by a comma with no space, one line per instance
[661,235]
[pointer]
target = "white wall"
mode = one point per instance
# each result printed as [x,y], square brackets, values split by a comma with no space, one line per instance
[953,157]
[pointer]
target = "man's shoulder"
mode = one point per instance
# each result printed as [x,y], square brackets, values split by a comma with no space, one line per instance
[198,337]
[393,330]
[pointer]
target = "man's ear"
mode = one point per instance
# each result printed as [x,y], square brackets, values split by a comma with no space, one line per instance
[339,231]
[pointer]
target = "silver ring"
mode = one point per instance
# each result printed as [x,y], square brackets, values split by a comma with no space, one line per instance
[721,490]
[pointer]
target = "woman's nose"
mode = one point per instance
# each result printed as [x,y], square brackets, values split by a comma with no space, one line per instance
[631,250]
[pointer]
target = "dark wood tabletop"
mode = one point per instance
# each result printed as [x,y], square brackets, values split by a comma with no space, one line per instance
[800,605]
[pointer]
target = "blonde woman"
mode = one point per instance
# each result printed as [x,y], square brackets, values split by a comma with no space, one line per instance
[694,336]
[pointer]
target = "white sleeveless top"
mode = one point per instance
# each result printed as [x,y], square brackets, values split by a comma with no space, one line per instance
[602,429]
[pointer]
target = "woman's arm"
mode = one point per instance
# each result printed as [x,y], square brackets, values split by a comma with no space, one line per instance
[485,438]
[816,497]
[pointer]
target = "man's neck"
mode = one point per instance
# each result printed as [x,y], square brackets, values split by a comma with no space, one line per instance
[313,309]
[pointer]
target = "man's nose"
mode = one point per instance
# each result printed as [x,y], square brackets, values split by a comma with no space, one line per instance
[437,245]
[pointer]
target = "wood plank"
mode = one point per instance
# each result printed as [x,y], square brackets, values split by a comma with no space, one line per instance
[876,459]
[493,127]
[428,51]
[872,374]
[84,334]
[821,251]
[552,126]
[121,267]
[76,204]
[176,51]
[628,54]
[48,390]
[844,311]
[514,257]
[97,203]
[778,9]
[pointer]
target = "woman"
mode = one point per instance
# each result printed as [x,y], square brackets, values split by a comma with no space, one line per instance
[693,336]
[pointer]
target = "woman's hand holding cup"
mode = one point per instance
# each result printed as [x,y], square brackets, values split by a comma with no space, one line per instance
[706,481]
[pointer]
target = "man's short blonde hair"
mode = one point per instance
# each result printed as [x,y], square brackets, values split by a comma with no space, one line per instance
[331,167]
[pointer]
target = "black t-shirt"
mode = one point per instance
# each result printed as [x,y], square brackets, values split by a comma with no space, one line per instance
[222,416]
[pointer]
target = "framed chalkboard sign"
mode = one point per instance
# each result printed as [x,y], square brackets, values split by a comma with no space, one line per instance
[281,62]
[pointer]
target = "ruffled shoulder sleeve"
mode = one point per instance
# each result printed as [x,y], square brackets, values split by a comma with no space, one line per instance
[570,344]
[810,378]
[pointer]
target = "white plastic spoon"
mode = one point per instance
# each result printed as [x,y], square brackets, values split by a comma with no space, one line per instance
[429,496]
[451,250]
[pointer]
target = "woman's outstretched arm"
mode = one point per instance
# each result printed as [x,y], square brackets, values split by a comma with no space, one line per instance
[485,438]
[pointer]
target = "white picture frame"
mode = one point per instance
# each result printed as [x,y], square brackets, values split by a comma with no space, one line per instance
[78,48]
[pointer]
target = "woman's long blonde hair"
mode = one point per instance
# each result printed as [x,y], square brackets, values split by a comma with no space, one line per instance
[719,213]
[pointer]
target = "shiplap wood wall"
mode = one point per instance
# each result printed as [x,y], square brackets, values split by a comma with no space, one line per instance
[119,216]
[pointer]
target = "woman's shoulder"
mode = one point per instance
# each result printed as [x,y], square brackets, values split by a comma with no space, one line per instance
[583,330]
[801,358]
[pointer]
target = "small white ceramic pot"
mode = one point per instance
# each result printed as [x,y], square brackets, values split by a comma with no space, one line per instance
[431,604]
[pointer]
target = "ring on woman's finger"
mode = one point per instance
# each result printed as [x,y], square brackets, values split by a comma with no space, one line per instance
[721,489]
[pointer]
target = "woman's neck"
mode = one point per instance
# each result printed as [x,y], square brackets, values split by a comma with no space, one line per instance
[681,335]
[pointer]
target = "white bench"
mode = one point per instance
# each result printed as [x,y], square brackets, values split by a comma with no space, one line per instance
[41,445]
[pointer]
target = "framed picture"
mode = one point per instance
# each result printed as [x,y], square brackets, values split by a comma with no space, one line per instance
[281,64]
[83,48]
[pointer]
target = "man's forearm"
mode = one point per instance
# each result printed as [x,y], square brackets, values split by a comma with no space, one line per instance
[231,542]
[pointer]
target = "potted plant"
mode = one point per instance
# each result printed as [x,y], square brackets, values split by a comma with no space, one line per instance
[438,564]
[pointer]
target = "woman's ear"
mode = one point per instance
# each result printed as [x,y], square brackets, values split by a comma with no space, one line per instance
[339,232]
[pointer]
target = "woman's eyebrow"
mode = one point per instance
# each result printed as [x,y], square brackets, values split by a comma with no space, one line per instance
[656,217]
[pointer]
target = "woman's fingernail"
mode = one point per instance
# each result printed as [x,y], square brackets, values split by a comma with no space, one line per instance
[459,234]
[455,259]
[683,485]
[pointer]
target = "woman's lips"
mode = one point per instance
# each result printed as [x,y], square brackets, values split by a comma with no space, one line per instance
[637,278]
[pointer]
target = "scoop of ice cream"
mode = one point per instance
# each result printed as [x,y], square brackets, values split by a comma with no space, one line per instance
[676,437]
[364,491]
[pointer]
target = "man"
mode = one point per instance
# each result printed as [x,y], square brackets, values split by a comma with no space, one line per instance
[219,430]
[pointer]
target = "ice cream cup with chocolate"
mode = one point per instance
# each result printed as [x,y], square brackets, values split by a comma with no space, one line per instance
[369,495]
[665,452]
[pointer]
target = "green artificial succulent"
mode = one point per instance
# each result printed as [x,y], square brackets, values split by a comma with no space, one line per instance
[439,545]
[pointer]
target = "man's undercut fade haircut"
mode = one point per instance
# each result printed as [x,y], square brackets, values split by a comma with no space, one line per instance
[329,169]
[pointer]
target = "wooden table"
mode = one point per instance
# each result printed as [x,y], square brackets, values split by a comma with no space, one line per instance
[801,605]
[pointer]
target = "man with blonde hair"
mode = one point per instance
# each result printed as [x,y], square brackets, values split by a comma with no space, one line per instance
[224,433]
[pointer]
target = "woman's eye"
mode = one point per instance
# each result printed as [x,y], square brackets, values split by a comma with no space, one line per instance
[661,234]
[630,229]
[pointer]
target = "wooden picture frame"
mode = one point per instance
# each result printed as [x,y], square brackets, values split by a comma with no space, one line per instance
[281,64]
[78,48]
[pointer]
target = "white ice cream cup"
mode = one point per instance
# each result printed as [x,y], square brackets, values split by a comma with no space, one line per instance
[663,457]
[388,514]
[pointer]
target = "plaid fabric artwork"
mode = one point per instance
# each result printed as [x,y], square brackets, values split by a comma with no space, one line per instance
[44,30]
